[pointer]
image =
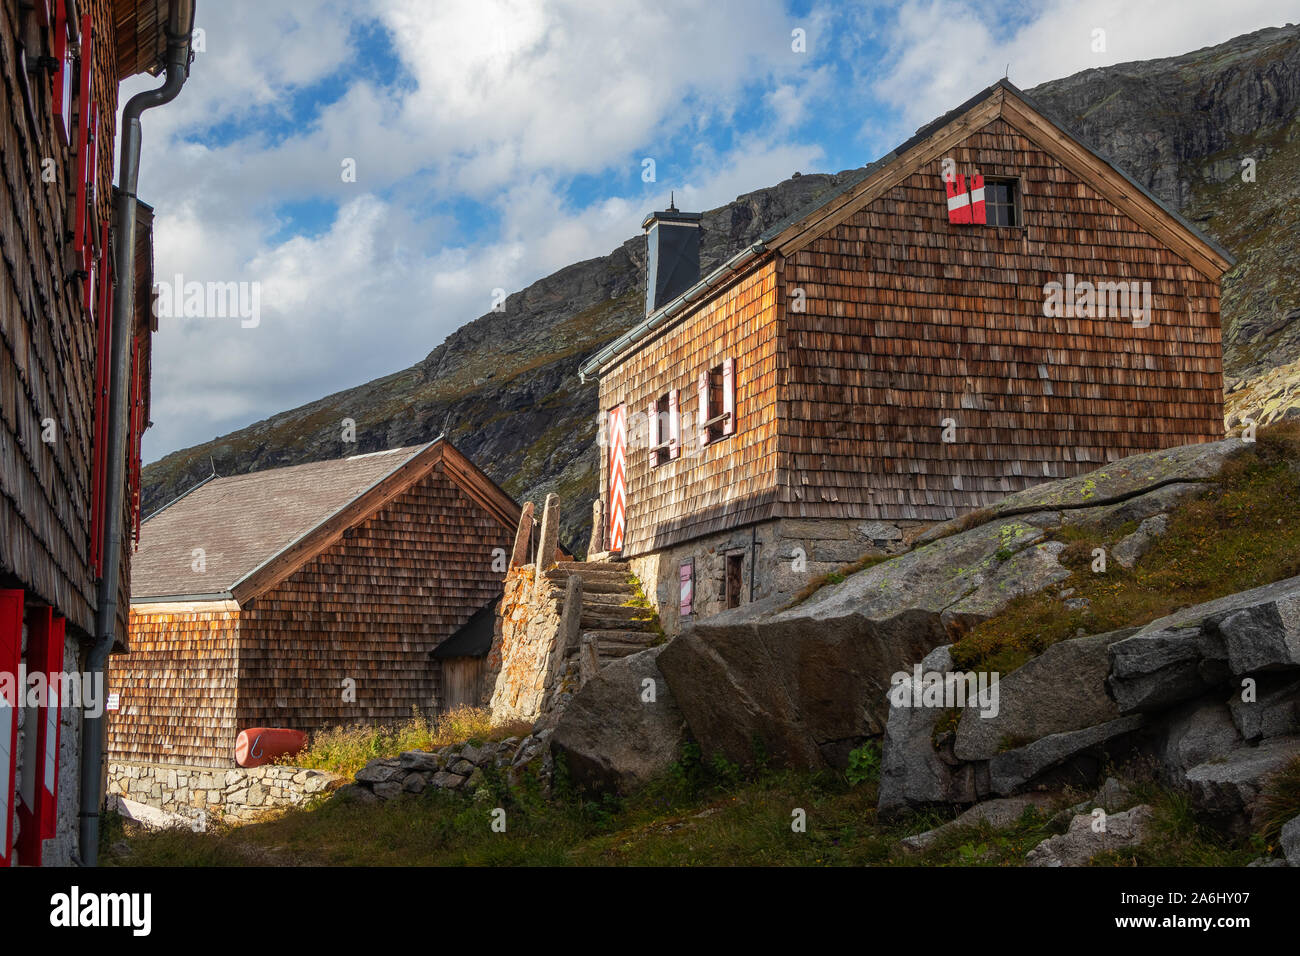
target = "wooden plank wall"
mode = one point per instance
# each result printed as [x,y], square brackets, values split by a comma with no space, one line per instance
[371,607]
[730,480]
[177,687]
[911,320]
[462,683]
[46,339]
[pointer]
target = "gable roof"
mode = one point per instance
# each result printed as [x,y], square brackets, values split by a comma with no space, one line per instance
[1003,99]
[474,639]
[256,529]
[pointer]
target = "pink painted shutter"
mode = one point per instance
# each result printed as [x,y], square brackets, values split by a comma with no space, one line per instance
[729,396]
[674,426]
[617,475]
[11,644]
[687,589]
[704,407]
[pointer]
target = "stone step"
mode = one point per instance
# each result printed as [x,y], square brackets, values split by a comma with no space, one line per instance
[594,599]
[611,637]
[591,566]
[559,577]
[615,616]
[599,586]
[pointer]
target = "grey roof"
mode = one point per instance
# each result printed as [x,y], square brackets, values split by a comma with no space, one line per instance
[243,521]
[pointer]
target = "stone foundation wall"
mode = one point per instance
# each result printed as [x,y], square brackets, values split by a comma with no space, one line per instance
[790,553]
[207,793]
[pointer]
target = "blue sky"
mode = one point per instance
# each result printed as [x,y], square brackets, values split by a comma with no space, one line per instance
[495,141]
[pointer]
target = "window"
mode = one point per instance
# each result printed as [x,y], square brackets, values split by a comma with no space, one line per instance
[664,429]
[735,575]
[1001,199]
[717,388]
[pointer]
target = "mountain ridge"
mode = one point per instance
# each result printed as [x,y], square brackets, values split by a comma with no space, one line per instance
[504,387]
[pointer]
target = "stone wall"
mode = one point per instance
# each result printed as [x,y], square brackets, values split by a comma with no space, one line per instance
[205,793]
[522,646]
[791,553]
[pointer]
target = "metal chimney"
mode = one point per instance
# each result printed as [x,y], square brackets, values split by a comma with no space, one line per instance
[672,255]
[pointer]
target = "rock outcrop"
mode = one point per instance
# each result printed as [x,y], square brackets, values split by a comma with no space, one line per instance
[807,684]
[622,727]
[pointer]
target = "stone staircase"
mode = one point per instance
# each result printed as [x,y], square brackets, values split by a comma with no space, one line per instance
[619,627]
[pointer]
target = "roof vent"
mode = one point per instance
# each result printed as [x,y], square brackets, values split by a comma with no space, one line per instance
[672,255]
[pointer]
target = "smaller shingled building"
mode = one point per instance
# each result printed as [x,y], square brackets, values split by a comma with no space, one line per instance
[304,597]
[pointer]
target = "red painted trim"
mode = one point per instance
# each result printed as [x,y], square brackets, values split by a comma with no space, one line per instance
[61,90]
[102,360]
[85,146]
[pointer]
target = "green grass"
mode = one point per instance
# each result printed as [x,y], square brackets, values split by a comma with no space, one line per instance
[1243,532]
[697,814]
[346,750]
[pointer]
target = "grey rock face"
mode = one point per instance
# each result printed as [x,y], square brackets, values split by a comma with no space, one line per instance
[997,813]
[1291,841]
[1060,690]
[1187,653]
[611,737]
[1012,769]
[420,760]
[912,772]
[1274,712]
[1195,733]
[1130,548]
[1230,785]
[1083,841]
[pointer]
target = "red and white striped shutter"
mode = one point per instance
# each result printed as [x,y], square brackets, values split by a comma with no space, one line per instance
[652,431]
[617,475]
[11,647]
[729,396]
[704,408]
[674,426]
[958,200]
[687,588]
[978,215]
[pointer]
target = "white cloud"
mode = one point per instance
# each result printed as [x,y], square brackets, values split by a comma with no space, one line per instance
[946,51]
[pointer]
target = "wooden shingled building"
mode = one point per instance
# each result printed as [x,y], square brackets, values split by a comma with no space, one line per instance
[65,261]
[305,597]
[992,304]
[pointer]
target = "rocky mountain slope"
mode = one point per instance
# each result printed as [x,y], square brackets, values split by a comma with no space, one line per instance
[505,390]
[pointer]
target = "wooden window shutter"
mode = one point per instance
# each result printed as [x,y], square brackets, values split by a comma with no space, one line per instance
[704,408]
[958,200]
[11,646]
[652,432]
[674,426]
[978,215]
[729,396]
